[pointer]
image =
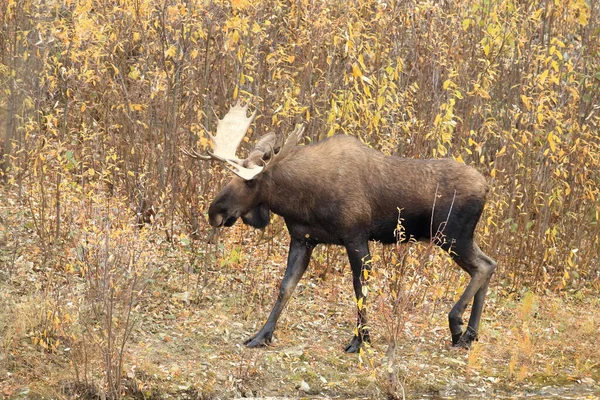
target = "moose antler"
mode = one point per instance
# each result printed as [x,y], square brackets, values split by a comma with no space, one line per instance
[230,132]
[251,172]
[287,147]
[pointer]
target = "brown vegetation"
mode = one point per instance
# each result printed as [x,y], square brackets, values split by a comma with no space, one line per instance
[112,281]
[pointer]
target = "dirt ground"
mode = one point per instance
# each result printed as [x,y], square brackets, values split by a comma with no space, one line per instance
[190,323]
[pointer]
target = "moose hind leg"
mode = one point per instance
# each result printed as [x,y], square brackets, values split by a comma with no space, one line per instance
[473,327]
[480,267]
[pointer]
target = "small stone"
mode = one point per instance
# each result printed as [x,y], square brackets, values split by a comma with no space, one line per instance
[304,387]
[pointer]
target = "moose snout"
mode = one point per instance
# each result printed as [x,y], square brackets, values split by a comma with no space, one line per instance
[216,220]
[217,214]
[219,219]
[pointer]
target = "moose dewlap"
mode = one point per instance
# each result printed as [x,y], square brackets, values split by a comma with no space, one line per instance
[340,191]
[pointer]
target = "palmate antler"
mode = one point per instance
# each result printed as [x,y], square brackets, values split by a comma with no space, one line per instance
[230,133]
[248,173]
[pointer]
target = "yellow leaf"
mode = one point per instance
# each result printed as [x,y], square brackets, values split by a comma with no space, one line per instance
[584,14]
[486,49]
[239,4]
[551,142]
[465,23]
[543,77]
[366,87]
[356,72]
[171,51]
[134,74]
[235,36]
[525,101]
[483,93]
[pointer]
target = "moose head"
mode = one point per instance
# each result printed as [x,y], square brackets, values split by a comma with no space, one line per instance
[245,195]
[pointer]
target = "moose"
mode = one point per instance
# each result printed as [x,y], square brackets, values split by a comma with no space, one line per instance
[340,191]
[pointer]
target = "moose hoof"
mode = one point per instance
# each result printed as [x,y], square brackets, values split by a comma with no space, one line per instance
[354,346]
[356,343]
[465,340]
[258,341]
[456,339]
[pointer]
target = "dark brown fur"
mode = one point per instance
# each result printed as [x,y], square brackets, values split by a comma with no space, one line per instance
[340,191]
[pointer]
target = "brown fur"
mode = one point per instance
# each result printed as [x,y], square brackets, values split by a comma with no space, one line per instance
[340,191]
[347,185]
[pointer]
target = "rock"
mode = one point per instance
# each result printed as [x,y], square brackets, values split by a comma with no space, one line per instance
[304,387]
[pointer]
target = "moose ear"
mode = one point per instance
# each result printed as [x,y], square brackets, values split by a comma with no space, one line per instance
[265,147]
[258,217]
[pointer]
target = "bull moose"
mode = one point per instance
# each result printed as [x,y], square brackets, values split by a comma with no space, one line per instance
[340,191]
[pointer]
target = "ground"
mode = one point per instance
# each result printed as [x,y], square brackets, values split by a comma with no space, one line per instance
[189,324]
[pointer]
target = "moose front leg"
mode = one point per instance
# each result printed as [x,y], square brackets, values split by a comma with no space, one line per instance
[360,260]
[298,259]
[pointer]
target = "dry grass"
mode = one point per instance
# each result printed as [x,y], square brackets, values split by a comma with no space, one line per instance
[189,326]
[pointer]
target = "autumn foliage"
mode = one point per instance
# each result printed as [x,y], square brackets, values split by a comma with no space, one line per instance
[98,98]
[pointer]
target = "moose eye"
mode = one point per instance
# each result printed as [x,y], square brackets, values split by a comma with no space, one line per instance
[250,183]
